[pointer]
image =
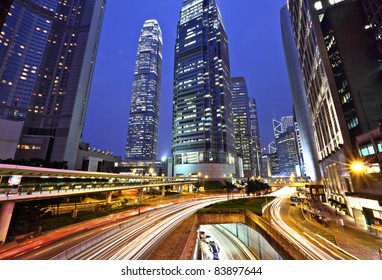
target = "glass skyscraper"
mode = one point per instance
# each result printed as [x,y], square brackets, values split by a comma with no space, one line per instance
[202,134]
[242,125]
[47,55]
[142,138]
[255,133]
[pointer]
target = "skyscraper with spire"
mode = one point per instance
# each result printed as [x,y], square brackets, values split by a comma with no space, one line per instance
[202,124]
[142,138]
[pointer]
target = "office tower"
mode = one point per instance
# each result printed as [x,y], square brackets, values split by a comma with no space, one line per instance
[202,133]
[277,128]
[309,157]
[242,125]
[287,153]
[286,121]
[343,89]
[142,138]
[254,128]
[270,163]
[47,57]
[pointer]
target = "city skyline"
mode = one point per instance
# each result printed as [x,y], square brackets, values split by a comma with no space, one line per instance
[106,121]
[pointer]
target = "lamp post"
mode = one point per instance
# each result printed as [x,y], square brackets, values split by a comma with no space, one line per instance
[140,198]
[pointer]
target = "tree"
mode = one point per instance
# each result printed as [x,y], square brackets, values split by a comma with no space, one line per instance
[256,186]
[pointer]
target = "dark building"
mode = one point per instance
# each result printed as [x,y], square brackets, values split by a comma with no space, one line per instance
[142,138]
[202,124]
[47,57]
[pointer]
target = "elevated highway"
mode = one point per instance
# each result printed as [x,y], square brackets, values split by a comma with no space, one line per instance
[52,183]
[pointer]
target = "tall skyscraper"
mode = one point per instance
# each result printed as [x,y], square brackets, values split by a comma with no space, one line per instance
[286,121]
[202,133]
[142,138]
[287,153]
[301,108]
[255,131]
[242,125]
[341,69]
[47,57]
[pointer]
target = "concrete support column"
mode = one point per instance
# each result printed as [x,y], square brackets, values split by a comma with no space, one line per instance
[163,190]
[108,196]
[6,211]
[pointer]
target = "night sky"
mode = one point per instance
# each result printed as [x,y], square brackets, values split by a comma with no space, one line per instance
[255,46]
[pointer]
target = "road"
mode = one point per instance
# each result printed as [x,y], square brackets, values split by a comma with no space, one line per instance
[312,245]
[54,242]
[230,247]
[138,241]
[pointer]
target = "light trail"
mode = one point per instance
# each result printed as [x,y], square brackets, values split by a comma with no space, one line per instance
[139,240]
[306,242]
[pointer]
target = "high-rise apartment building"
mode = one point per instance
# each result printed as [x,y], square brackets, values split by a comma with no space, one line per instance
[47,57]
[341,73]
[203,133]
[142,138]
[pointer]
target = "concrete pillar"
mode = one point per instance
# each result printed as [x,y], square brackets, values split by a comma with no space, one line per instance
[163,190]
[108,196]
[6,211]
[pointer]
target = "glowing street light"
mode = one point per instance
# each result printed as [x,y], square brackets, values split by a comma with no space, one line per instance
[357,166]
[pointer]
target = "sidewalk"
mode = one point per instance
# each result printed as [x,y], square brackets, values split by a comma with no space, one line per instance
[356,240]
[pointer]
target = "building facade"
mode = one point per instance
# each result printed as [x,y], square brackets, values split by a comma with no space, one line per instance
[242,125]
[287,153]
[255,131]
[308,154]
[202,124]
[142,138]
[47,57]
[340,66]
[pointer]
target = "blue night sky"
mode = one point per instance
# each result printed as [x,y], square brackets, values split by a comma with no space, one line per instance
[255,46]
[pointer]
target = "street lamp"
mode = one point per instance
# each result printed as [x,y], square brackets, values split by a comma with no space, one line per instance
[357,166]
